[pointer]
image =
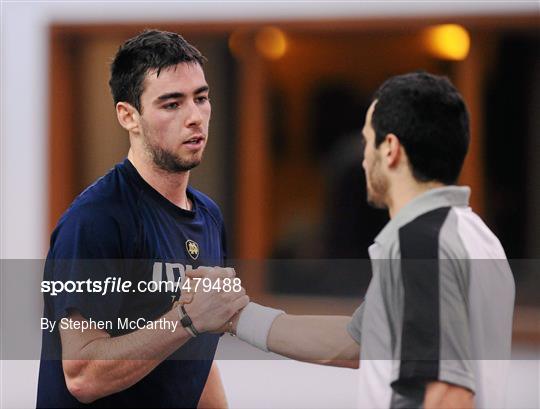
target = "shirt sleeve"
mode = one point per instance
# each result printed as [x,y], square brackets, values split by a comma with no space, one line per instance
[224,249]
[86,257]
[355,325]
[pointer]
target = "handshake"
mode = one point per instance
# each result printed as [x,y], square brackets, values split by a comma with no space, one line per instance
[211,300]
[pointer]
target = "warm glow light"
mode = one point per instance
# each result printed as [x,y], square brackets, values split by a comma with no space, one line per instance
[237,42]
[271,42]
[448,41]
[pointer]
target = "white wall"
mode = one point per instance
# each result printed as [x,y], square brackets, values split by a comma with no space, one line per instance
[23,150]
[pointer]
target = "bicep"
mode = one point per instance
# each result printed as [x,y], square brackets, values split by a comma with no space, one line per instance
[85,252]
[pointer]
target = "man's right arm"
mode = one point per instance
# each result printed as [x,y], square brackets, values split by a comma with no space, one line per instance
[97,365]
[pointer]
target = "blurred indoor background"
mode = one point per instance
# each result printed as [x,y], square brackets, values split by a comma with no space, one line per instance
[290,84]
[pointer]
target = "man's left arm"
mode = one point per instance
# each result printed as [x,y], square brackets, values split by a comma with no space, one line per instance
[213,396]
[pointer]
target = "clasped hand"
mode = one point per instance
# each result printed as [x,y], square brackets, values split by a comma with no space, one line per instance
[213,307]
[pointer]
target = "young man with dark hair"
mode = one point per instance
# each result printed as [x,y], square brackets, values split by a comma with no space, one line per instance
[141,223]
[435,326]
[431,120]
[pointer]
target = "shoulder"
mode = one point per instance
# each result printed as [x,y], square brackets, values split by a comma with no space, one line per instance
[108,198]
[477,239]
[103,212]
[207,205]
[432,251]
[420,238]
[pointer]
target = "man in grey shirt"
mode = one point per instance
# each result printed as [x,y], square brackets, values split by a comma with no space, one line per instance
[435,326]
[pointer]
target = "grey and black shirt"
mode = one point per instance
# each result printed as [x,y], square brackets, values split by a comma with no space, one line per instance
[439,306]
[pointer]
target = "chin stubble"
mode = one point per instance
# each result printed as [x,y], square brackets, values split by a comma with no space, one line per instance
[166,160]
[170,162]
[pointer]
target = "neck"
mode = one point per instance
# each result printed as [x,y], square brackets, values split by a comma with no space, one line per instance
[172,186]
[404,191]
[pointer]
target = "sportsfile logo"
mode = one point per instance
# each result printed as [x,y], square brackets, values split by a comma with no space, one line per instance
[166,278]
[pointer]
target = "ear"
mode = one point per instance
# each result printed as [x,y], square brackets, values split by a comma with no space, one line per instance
[393,152]
[128,117]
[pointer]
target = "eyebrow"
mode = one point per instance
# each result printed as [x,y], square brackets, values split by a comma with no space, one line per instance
[175,95]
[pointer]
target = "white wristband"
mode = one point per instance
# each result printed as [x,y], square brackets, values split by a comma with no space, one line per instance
[254,324]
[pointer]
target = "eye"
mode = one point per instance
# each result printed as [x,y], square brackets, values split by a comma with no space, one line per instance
[202,99]
[171,105]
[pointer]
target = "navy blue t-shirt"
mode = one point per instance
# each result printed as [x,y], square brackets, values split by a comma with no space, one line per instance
[122,227]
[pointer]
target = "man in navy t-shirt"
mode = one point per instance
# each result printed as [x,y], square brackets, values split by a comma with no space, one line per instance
[109,345]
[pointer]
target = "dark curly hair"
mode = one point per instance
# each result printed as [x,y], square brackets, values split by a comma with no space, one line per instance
[150,50]
[428,115]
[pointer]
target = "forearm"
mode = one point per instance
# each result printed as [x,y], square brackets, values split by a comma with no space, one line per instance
[316,339]
[106,365]
[96,365]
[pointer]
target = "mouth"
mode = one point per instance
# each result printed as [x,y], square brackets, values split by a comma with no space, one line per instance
[194,142]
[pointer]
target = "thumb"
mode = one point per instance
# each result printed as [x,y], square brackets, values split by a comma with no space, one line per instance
[186,298]
[200,272]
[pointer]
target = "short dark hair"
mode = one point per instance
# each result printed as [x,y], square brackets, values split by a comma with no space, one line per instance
[430,119]
[151,49]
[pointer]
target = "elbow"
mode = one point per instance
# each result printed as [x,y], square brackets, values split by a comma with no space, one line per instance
[78,382]
[350,357]
[342,363]
[351,364]
[80,391]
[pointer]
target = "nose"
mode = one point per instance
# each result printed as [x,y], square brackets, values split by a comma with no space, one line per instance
[194,117]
